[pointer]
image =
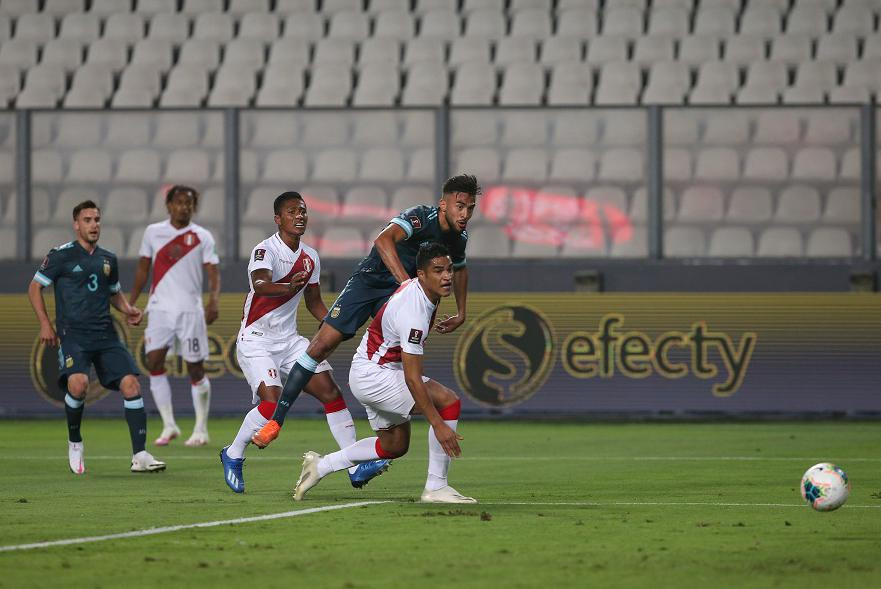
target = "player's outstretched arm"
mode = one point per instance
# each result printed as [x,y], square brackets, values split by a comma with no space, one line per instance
[385,246]
[261,278]
[133,315]
[314,302]
[447,323]
[449,439]
[47,332]
[141,275]
[212,309]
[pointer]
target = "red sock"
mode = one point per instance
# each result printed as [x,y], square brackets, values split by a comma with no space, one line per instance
[266,409]
[335,405]
[380,452]
[451,412]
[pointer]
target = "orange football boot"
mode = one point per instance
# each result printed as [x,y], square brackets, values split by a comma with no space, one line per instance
[266,434]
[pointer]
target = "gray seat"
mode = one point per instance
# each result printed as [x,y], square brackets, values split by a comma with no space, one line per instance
[701,204]
[829,242]
[684,242]
[798,204]
[731,242]
[750,205]
[780,242]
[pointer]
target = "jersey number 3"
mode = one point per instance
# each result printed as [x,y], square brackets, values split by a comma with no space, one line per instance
[93,282]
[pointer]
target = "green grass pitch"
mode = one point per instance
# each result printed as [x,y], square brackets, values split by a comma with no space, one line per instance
[562,505]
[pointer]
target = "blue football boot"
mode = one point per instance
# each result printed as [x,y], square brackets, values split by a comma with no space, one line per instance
[232,471]
[367,471]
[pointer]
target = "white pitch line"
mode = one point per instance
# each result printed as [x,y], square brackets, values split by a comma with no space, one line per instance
[505,458]
[661,503]
[154,531]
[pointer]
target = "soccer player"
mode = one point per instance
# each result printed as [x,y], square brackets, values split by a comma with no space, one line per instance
[386,377]
[178,250]
[86,281]
[391,262]
[283,270]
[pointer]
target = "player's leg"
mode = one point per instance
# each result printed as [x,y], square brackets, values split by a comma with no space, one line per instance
[437,489]
[193,334]
[117,371]
[158,338]
[73,369]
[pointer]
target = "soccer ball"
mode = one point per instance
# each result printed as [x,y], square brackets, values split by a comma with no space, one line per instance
[825,486]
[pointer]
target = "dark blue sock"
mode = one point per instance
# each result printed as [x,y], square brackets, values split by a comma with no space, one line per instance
[298,378]
[136,418]
[73,408]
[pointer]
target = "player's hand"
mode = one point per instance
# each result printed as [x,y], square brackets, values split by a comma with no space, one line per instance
[48,337]
[298,281]
[134,316]
[211,313]
[448,323]
[448,439]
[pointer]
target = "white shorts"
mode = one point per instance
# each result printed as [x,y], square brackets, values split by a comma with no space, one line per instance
[383,392]
[269,361]
[185,333]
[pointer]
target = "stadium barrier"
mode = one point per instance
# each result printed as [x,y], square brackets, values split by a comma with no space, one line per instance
[528,354]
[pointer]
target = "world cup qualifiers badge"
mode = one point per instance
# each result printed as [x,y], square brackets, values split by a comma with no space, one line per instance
[106,268]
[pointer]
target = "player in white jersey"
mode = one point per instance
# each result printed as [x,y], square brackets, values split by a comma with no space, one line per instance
[283,271]
[178,251]
[386,377]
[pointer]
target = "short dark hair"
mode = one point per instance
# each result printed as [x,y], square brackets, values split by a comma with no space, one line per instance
[86,204]
[171,192]
[285,197]
[466,183]
[428,252]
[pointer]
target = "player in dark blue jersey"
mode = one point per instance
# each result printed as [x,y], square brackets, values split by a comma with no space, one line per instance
[85,278]
[391,261]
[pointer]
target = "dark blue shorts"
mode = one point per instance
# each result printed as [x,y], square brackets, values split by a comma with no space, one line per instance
[111,359]
[360,299]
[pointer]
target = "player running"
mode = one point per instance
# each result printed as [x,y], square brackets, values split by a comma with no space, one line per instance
[391,262]
[86,282]
[178,251]
[386,377]
[283,270]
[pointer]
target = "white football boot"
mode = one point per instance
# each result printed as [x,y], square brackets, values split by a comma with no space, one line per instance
[75,457]
[168,433]
[445,495]
[198,439]
[143,461]
[308,476]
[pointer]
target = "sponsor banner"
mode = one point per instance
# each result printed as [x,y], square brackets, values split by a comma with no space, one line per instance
[560,353]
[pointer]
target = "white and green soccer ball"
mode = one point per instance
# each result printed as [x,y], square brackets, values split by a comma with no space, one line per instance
[825,486]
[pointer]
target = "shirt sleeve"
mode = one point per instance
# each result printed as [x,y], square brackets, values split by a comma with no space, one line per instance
[316,273]
[146,250]
[412,326]
[113,279]
[457,251]
[50,269]
[209,249]
[261,257]
[412,221]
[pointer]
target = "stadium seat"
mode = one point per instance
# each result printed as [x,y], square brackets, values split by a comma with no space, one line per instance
[619,84]
[67,200]
[488,241]
[440,24]
[525,166]
[289,53]
[348,24]
[378,85]
[717,163]
[409,196]
[607,195]
[308,26]
[531,23]
[574,128]
[780,242]
[49,237]
[378,6]
[335,165]
[829,242]
[766,164]
[285,166]
[749,204]
[469,49]
[394,24]
[571,83]
[572,165]
[188,166]
[331,85]
[156,6]
[605,49]
[742,50]
[81,27]
[648,50]
[577,22]
[622,21]
[792,49]
[775,127]
[701,204]
[677,165]
[482,162]
[473,128]
[382,164]
[559,49]
[524,128]
[421,166]
[695,50]
[680,128]
[731,242]
[684,242]
[668,21]
[126,206]
[36,27]
[621,165]
[716,21]
[64,53]
[380,50]
[343,242]
[815,74]
[79,130]
[109,53]
[798,204]
[761,21]
[855,20]
[731,129]
[843,206]
[40,210]
[259,26]
[522,84]
[814,163]
[837,48]
[473,84]
[138,165]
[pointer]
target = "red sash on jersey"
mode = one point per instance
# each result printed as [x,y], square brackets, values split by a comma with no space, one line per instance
[261,305]
[171,253]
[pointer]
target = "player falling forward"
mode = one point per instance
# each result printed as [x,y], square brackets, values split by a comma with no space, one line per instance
[386,377]
[282,271]
[391,262]
[86,282]
[178,251]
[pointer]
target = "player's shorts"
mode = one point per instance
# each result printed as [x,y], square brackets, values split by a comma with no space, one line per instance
[111,359]
[360,299]
[269,361]
[185,329]
[383,392]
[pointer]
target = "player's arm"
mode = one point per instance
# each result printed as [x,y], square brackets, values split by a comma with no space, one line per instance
[121,304]
[261,279]
[212,309]
[385,246]
[47,332]
[460,291]
[141,275]
[449,440]
[314,302]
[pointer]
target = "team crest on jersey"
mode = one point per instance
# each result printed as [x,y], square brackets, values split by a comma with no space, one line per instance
[415,336]
[44,264]
[335,312]
[273,373]
[68,362]
[189,239]
[307,264]
[259,254]
[106,267]
[415,222]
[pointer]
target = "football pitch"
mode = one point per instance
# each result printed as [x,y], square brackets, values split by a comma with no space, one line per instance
[561,505]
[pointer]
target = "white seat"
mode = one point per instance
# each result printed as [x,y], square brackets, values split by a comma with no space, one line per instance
[701,204]
[64,53]
[485,23]
[382,164]
[198,6]
[749,204]
[482,162]
[365,204]
[524,129]
[304,25]
[89,166]
[843,206]
[829,127]
[377,6]
[695,50]
[424,50]
[375,129]
[572,165]
[863,74]
[245,53]
[469,49]
[335,165]
[440,24]
[684,242]
[348,24]
[771,74]
[677,164]
[128,131]
[680,128]
[822,75]
[79,130]
[126,206]
[731,129]
[606,49]
[743,50]
[798,204]
[511,50]
[155,53]
[577,22]
[474,128]
[624,127]
[175,129]
[383,50]
[650,49]
[623,21]
[619,84]
[344,242]
[36,27]
[474,84]
[792,48]
[760,20]
[731,242]
[715,83]
[109,53]
[200,53]
[856,20]
[324,129]
[331,85]
[68,199]
[285,166]
[488,241]
[571,83]
[804,95]
[156,6]
[274,130]
[814,163]
[777,127]
[394,24]
[214,27]
[289,53]
[522,84]
[174,28]
[559,49]
[82,27]
[837,48]
[767,164]
[672,21]
[851,165]
[717,163]
[828,242]
[138,165]
[621,165]
[421,166]
[849,95]
[50,237]
[531,23]
[668,82]
[19,53]
[526,165]
[259,26]
[188,166]
[780,242]
[715,21]
[807,20]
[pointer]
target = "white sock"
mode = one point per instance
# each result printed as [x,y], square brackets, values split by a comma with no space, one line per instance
[201,392]
[438,461]
[161,391]
[342,426]
[250,425]
[361,451]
